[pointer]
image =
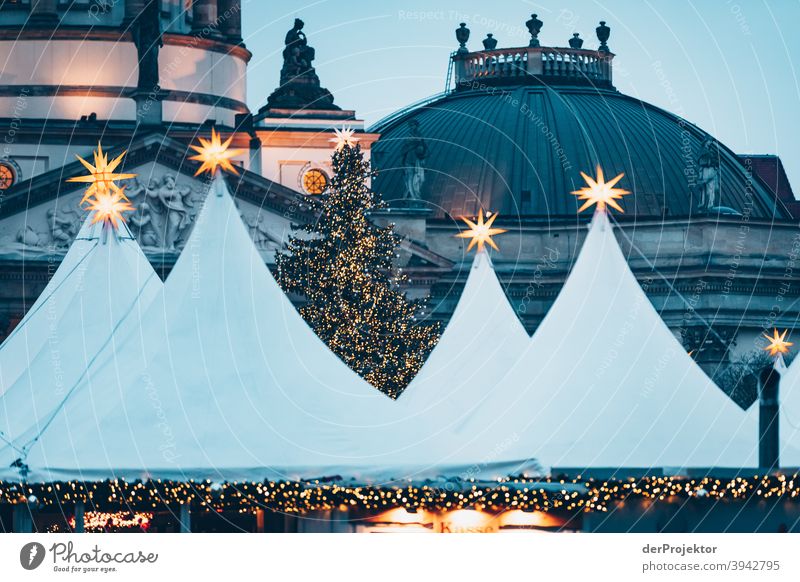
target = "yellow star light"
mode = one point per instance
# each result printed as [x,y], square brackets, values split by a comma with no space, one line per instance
[777,343]
[345,137]
[109,207]
[215,154]
[600,192]
[481,232]
[101,175]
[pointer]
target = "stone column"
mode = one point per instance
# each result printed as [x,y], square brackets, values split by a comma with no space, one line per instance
[80,514]
[255,155]
[230,19]
[44,12]
[185,518]
[134,8]
[23,519]
[204,16]
[769,434]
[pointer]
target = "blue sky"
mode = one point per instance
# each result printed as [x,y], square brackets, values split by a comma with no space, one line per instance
[729,66]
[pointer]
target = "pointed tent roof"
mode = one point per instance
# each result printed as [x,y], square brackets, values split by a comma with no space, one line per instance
[605,383]
[102,285]
[239,388]
[483,339]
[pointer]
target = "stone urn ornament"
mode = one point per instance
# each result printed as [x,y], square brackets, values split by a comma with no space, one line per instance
[576,41]
[603,32]
[462,36]
[489,43]
[534,27]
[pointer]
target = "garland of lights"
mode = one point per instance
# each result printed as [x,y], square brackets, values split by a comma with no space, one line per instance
[101,521]
[297,497]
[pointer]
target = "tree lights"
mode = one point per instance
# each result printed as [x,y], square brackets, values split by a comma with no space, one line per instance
[344,269]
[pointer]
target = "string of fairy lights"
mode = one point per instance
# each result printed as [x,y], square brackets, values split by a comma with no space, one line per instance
[100,521]
[302,497]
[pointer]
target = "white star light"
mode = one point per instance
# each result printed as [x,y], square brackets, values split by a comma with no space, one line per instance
[344,137]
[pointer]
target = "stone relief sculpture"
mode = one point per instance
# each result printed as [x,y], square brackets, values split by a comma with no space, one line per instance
[62,227]
[708,175]
[29,237]
[164,212]
[164,215]
[414,153]
[262,236]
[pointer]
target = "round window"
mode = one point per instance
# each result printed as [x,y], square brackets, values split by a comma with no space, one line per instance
[315,181]
[7,176]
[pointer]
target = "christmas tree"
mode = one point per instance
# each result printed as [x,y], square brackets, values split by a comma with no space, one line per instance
[343,266]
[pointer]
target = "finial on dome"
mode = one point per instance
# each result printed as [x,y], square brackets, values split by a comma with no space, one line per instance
[462,36]
[534,27]
[576,41]
[603,32]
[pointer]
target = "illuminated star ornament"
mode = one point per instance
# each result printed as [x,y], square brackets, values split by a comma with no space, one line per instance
[101,175]
[600,192]
[481,232]
[344,137]
[108,208]
[215,154]
[777,343]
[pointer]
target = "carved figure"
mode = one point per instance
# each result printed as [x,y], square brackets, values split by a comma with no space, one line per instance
[708,182]
[414,153]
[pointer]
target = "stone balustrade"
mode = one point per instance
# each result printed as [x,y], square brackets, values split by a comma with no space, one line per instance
[508,66]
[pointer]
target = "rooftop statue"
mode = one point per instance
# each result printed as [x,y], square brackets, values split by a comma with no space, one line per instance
[299,86]
[708,182]
[414,152]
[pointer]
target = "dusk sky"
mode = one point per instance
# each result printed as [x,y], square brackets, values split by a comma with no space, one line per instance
[728,66]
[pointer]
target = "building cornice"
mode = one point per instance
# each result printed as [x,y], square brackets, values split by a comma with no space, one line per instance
[111,91]
[307,138]
[111,34]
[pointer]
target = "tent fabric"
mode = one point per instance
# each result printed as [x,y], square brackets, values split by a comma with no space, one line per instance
[482,341]
[224,380]
[100,287]
[34,330]
[789,419]
[604,383]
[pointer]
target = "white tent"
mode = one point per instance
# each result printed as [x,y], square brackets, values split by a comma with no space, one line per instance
[482,340]
[101,286]
[35,329]
[226,381]
[789,419]
[604,382]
